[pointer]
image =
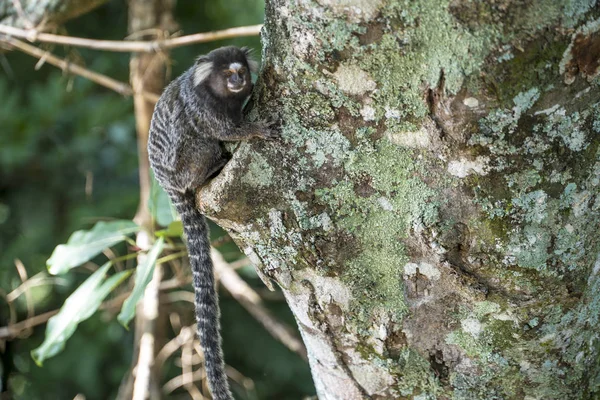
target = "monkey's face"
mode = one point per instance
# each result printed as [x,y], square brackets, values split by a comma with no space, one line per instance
[226,72]
[231,81]
[236,77]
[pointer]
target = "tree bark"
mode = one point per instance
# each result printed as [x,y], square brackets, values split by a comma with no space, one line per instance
[154,20]
[38,14]
[431,212]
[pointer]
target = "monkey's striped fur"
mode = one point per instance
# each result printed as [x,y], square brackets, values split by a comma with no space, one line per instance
[195,114]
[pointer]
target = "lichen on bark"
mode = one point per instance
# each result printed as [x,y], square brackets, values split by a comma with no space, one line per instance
[430,211]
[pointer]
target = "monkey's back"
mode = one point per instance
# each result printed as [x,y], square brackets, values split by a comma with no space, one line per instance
[181,150]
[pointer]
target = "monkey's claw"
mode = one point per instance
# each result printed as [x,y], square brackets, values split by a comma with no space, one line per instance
[269,130]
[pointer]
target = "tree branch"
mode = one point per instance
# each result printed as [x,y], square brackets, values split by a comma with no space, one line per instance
[147,46]
[103,80]
[251,301]
[15,329]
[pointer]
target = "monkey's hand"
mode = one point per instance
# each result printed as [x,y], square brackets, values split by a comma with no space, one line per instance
[260,130]
[268,130]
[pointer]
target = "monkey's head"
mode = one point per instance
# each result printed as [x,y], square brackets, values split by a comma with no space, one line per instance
[226,72]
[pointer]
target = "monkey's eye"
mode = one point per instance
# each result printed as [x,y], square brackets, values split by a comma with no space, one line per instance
[228,73]
[242,71]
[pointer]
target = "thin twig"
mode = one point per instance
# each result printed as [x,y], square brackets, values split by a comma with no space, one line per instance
[141,46]
[177,382]
[37,280]
[240,379]
[12,312]
[186,333]
[13,330]
[180,295]
[24,278]
[199,374]
[175,283]
[242,262]
[119,87]
[187,368]
[171,257]
[110,254]
[16,328]
[250,300]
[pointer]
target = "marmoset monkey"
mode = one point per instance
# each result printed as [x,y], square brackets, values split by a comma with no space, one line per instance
[196,112]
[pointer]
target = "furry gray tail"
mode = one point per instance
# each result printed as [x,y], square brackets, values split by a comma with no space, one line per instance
[207,305]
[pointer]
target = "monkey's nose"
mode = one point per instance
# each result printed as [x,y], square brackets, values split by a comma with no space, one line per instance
[236,83]
[236,79]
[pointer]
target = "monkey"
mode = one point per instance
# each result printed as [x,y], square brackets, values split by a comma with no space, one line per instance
[195,114]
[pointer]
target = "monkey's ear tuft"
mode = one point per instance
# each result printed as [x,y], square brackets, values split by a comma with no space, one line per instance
[202,69]
[252,63]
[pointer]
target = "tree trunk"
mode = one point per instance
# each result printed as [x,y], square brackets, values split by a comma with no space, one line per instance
[150,20]
[432,209]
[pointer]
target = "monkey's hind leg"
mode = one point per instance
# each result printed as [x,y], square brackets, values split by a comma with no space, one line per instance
[212,173]
[216,169]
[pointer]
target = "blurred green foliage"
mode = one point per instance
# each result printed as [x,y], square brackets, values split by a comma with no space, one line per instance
[67,160]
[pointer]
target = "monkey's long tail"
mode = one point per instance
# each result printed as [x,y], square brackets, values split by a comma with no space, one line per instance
[207,305]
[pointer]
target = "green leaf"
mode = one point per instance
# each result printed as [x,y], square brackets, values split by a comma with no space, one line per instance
[143,276]
[160,205]
[175,229]
[84,245]
[78,307]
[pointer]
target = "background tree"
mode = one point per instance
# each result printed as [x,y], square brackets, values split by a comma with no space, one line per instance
[73,144]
